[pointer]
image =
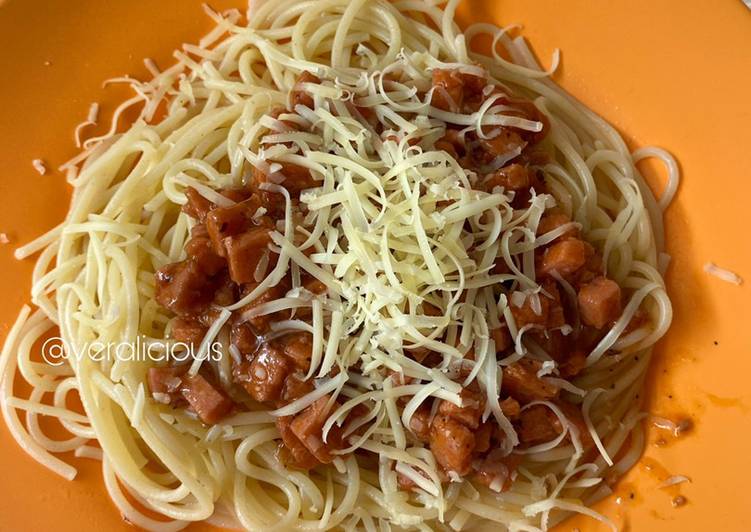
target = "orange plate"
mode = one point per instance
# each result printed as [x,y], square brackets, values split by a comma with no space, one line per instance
[675,74]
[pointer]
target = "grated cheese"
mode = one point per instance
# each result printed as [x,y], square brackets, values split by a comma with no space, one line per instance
[723,274]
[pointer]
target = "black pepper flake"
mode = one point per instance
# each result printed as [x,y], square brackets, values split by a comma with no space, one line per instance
[670,396]
[716,342]
[631,495]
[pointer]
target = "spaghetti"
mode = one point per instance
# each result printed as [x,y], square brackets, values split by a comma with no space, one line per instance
[409,211]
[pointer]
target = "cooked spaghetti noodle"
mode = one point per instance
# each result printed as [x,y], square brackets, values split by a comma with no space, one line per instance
[410,250]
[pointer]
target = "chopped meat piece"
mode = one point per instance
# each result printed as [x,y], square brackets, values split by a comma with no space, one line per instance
[452,89]
[166,380]
[225,294]
[530,111]
[600,302]
[452,444]
[510,408]
[448,90]
[188,331]
[566,257]
[521,382]
[483,436]
[244,252]
[265,376]
[299,96]
[299,348]
[496,471]
[237,194]
[199,250]
[527,314]
[277,111]
[262,323]
[574,363]
[228,221]
[470,413]
[512,178]
[502,339]
[295,179]
[197,206]
[573,413]
[549,313]
[297,454]
[554,220]
[505,142]
[308,427]
[209,402]
[556,317]
[538,424]
[243,337]
[452,144]
[184,288]
[295,387]
[419,423]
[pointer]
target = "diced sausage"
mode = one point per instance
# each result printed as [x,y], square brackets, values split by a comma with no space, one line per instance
[296,179]
[299,348]
[265,376]
[566,257]
[308,427]
[244,252]
[527,314]
[483,436]
[295,387]
[513,177]
[504,142]
[448,90]
[209,402]
[470,413]
[502,339]
[299,96]
[188,331]
[452,143]
[419,423]
[538,424]
[600,302]
[243,337]
[573,364]
[549,313]
[197,206]
[521,382]
[452,89]
[574,414]
[165,380]
[510,408]
[297,454]
[554,220]
[227,221]
[226,292]
[183,288]
[452,444]
[261,323]
[199,250]
[496,471]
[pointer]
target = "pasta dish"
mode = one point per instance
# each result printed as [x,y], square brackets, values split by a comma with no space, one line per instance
[348,269]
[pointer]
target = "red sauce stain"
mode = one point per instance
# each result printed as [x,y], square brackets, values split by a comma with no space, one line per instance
[726,402]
